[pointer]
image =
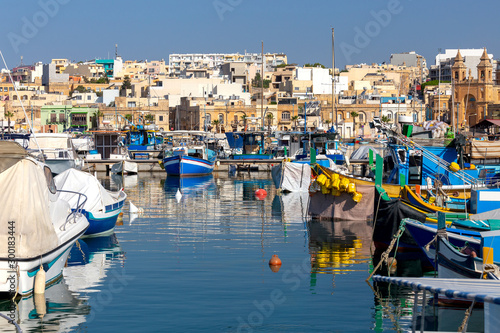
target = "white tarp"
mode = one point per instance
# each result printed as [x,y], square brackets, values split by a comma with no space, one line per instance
[492,214]
[293,177]
[362,153]
[124,167]
[24,201]
[50,141]
[78,181]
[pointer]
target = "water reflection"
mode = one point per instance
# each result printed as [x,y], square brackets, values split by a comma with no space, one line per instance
[124,181]
[335,246]
[59,311]
[89,261]
[292,207]
[395,311]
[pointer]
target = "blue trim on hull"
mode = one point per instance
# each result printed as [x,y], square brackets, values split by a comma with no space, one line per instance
[187,166]
[98,226]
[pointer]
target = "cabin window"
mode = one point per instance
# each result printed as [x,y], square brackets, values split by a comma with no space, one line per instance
[50,180]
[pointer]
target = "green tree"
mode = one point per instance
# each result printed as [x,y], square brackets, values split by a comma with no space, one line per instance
[295,119]
[216,123]
[80,89]
[385,119]
[354,114]
[149,117]
[245,120]
[316,64]
[327,122]
[8,115]
[256,82]
[98,114]
[126,84]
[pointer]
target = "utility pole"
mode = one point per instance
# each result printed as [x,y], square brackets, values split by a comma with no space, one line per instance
[262,86]
[334,99]
[439,86]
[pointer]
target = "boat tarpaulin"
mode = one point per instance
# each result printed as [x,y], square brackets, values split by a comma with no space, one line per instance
[25,211]
[343,207]
[81,182]
[292,177]
[389,216]
[485,149]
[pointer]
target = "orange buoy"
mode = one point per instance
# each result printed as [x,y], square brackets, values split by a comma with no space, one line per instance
[261,194]
[275,260]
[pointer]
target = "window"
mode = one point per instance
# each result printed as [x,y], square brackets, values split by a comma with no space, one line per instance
[361,117]
[456,75]
[347,115]
[285,115]
[53,117]
[61,117]
[78,98]
[221,118]
[296,88]
[131,104]
[208,119]
[235,119]
[160,118]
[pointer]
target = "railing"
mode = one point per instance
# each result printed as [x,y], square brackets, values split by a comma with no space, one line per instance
[75,213]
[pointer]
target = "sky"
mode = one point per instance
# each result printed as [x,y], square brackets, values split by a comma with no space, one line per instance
[365,31]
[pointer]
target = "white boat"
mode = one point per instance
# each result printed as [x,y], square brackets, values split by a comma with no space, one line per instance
[37,227]
[124,167]
[58,151]
[102,206]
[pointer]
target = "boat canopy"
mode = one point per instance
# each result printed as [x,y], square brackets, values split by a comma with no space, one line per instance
[362,152]
[78,181]
[25,211]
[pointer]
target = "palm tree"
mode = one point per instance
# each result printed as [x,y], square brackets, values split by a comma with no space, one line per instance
[270,118]
[294,119]
[216,123]
[385,119]
[327,122]
[97,115]
[8,115]
[354,114]
[245,119]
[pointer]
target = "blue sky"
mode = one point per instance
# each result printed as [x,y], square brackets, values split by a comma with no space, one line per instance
[365,31]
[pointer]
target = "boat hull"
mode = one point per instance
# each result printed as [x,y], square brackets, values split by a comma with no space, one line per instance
[53,263]
[187,166]
[101,224]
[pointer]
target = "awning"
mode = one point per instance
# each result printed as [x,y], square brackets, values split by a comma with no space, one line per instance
[487,123]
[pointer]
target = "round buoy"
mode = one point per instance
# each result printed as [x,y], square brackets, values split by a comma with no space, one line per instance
[261,194]
[274,268]
[275,260]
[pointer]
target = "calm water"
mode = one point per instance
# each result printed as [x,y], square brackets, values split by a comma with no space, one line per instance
[201,264]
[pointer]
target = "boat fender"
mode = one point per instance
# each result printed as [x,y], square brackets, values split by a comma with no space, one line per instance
[40,281]
[344,183]
[351,188]
[335,192]
[336,184]
[321,179]
[324,189]
[454,167]
[357,197]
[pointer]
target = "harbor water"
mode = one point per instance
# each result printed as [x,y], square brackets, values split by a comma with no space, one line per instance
[199,262]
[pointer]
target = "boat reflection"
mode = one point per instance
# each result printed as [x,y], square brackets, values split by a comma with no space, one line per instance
[291,206]
[188,185]
[124,181]
[336,246]
[59,311]
[89,260]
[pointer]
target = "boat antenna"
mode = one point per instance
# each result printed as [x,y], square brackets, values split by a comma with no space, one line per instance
[20,101]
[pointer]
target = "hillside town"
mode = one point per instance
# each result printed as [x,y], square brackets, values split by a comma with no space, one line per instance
[223,93]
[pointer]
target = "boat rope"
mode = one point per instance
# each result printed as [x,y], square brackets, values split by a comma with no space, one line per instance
[80,248]
[11,321]
[385,255]
[17,282]
[465,322]
[375,223]
[490,268]
[439,233]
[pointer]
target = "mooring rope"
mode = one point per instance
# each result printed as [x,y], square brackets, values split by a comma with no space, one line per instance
[385,256]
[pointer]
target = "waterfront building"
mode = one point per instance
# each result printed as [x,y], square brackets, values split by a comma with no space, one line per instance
[445,61]
[58,118]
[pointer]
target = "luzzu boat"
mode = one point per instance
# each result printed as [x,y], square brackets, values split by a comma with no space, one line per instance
[39,227]
[102,206]
[189,156]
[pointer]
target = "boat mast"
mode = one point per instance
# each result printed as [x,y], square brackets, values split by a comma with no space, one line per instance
[334,100]
[20,101]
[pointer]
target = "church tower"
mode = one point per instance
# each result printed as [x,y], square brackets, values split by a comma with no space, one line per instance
[458,69]
[485,69]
